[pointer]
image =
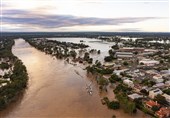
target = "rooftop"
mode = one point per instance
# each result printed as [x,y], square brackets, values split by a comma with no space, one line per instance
[163,112]
[152,103]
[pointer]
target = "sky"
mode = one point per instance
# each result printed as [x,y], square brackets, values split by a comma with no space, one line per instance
[85,15]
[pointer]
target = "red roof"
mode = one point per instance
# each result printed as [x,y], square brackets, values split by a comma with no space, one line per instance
[163,112]
[151,103]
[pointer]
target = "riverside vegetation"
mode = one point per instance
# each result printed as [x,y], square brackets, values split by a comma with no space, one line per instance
[13,76]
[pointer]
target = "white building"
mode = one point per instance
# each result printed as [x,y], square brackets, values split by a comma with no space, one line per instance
[148,62]
[3,84]
[158,78]
[159,85]
[154,93]
[167,83]
[124,55]
[129,83]
[135,96]
[117,72]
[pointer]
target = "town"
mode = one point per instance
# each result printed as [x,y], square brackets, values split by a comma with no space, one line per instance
[137,71]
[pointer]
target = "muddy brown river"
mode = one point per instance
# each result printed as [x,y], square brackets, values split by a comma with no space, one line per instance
[56,89]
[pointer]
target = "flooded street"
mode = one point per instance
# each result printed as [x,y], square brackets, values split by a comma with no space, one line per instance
[56,90]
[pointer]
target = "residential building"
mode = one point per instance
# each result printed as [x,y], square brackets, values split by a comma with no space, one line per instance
[129,83]
[124,55]
[158,85]
[154,93]
[149,104]
[164,112]
[148,62]
[132,49]
[135,96]
[167,83]
[167,97]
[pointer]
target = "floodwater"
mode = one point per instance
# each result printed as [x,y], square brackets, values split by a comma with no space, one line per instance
[56,89]
[103,46]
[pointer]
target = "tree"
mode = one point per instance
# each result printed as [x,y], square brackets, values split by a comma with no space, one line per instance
[98,63]
[73,53]
[106,71]
[114,105]
[102,81]
[115,47]
[125,63]
[167,91]
[161,61]
[155,108]
[141,63]
[86,56]
[2,103]
[90,69]
[98,52]
[114,78]
[108,59]
[128,106]
[4,65]
[90,60]
[135,52]
[144,92]
[160,99]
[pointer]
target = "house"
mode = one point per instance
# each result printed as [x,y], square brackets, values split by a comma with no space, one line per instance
[132,49]
[149,104]
[124,55]
[146,53]
[158,78]
[150,50]
[128,82]
[159,85]
[148,62]
[167,97]
[164,112]
[117,72]
[135,96]
[167,83]
[3,84]
[154,93]
[152,72]
[108,65]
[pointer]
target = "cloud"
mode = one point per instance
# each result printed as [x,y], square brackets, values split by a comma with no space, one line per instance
[23,17]
[129,30]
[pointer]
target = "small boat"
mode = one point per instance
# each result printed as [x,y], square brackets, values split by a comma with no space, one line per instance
[90,92]
[89,89]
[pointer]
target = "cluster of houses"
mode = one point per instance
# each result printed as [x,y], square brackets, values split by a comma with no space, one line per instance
[4,80]
[136,75]
[130,52]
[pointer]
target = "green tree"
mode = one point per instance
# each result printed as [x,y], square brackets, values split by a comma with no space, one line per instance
[125,63]
[98,52]
[161,61]
[108,59]
[160,99]
[102,81]
[113,105]
[155,108]
[114,78]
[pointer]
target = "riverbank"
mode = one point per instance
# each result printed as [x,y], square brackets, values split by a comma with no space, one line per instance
[55,90]
[13,76]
